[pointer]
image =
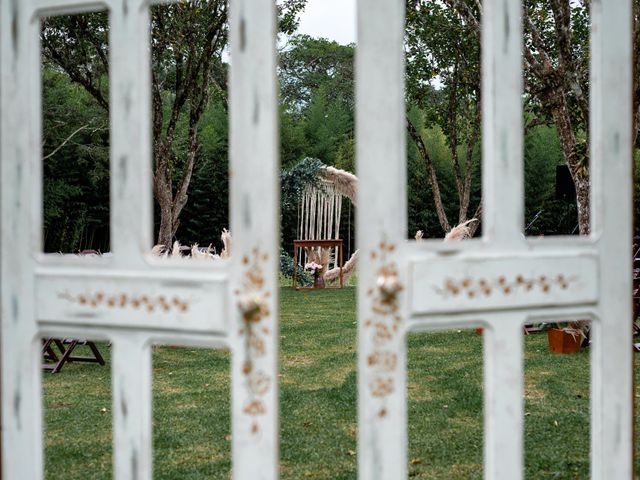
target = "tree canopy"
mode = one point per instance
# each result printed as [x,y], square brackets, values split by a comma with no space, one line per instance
[190,131]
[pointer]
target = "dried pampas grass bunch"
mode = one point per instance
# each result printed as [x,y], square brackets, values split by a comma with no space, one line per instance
[345,183]
[194,251]
[348,269]
[460,232]
[319,255]
[226,240]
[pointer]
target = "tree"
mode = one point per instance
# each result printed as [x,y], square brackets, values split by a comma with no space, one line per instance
[308,64]
[317,121]
[556,63]
[441,48]
[75,167]
[188,39]
[317,91]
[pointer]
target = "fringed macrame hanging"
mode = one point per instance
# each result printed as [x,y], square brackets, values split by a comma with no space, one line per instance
[320,211]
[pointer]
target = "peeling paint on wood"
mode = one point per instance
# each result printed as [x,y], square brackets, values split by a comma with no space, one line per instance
[500,281]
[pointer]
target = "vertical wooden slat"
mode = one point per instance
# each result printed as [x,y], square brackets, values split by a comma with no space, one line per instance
[130,111]
[503,226]
[381,168]
[19,153]
[131,407]
[254,219]
[503,390]
[502,147]
[611,193]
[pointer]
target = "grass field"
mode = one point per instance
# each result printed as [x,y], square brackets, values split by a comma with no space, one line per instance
[318,404]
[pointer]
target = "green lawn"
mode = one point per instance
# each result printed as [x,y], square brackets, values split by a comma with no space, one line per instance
[318,404]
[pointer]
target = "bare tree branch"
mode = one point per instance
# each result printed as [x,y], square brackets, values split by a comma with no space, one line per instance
[55,150]
[431,172]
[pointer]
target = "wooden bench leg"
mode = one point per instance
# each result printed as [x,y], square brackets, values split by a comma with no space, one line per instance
[65,356]
[66,348]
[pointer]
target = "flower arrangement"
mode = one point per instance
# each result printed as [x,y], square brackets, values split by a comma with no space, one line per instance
[316,269]
[319,259]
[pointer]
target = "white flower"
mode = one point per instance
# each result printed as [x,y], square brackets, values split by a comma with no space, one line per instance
[313,266]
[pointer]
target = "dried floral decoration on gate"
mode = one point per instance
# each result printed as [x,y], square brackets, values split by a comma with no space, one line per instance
[148,303]
[253,303]
[473,288]
[384,324]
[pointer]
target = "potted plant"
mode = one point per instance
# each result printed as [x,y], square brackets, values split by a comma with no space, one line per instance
[567,338]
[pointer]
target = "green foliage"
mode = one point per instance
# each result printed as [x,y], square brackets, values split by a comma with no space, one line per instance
[346,155]
[75,167]
[421,210]
[288,13]
[207,211]
[326,124]
[309,64]
[294,181]
[78,45]
[317,124]
[303,277]
[542,154]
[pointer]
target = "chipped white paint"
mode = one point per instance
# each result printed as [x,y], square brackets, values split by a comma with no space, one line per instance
[502,280]
[135,302]
[381,150]
[611,153]
[481,283]
[166,300]
[130,299]
[254,214]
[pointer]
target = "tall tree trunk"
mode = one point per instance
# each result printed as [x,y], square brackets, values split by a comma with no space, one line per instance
[166,231]
[578,163]
[582,182]
[163,192]
[431,175]
[181,196]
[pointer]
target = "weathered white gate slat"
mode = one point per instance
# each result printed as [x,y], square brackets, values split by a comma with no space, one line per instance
[254,216]
[45,8]
[503,201]
[503,390]
[131,406]
[502,133]
[611,191]
[381,166]
[130,156]
[21,406]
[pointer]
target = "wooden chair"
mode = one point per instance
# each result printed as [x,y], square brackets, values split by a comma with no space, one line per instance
[64,354]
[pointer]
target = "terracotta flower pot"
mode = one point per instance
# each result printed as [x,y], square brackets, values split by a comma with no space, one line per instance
[561,341]
[318,281]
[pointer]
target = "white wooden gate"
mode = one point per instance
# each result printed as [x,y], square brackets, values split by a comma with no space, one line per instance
[403,287]
[230,304]
[502,280]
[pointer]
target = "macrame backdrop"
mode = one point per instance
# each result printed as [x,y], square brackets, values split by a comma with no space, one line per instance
[319,215]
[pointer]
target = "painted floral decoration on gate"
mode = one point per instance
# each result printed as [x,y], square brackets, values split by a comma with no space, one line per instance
[253,303]
[384,324]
